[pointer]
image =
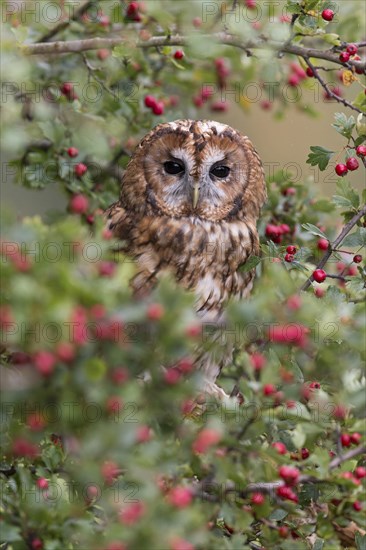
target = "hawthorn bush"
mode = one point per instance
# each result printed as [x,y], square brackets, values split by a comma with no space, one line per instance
[102,448]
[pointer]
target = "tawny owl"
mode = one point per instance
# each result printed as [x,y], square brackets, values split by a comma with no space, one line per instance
[190,198]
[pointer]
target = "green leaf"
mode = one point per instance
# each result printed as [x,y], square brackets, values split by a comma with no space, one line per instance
[251,263]
[332,38]
[314,230]
[346,195]
[278,515]
[360,541]
[360,100]
[319,544]
[320,156]
[358,238]
[10,533]
[344,125]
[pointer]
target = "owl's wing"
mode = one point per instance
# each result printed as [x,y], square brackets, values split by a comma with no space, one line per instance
[118,221]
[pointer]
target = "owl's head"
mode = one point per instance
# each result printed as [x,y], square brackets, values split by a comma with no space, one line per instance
[197,168]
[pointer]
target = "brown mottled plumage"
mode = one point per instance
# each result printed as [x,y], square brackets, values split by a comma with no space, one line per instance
[199,222]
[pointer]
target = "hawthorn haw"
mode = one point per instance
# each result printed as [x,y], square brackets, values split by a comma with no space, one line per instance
[345,440]
[341,169]
[44,361]
[42,483]
[179,54]
[357,258]
[283,532]
[180,497]
[72,152]
[357,505]
[352,163]
[257,499]
[319,275]
[327,15]
[158,108]
[79,204]
[155,312]
[80,169]
[352,49]
[361,151]
[269,389]
[280,447]
[360,472]
[310,72]
[344,57]
[206,439]
[323,244]
[291,249]
[289,258]
[289,474]
[356,438]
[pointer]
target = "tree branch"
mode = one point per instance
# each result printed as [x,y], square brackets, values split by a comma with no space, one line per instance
[73,46]
[328,90]
[347,228]
[64,24]
[347,456]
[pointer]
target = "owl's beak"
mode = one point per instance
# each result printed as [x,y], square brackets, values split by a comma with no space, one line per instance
[196,192]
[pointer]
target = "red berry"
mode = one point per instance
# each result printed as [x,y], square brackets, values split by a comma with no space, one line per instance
[180,544]
[143,434]
[289,191]
[258,361]
[291,249]
[351,270]
[266,105]
[132,9]
[155,312]
[44,361]
[269,389]
[341,169]
[65,351]
[289,474]
[110,471]
[251,4]
[340,412]
[299,71]
[206,439]
[280,447]
[72,152]
[36,544]
[289,258]
[360,472]
[314,386]
[293,80]
[172,376]
[42,483]
[257,499]
[197,22]
[287,493]
[352,163]
[104,20]
[344,57]
[79,204]
[80,169]
[283,532]
[220,106]
[319,275]
[67,89]
[198,101]
[352,49]
[305,453]
[327,15]
[150,101]
[103,54]
[180,497]
[323,244]
[106,269]
[356,438]
[158,108]
[310,72]
[345,440]
[319,292]
[357,258]
[361,151]
[132,513]
[357,505]
[179,54]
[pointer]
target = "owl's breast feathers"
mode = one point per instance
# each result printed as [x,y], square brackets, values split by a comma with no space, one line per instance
[202,255]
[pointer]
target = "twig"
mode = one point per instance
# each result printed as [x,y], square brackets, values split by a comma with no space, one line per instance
[347,228]
[91,71]
[64,24]
[328,90]
[346,456]
[77,46]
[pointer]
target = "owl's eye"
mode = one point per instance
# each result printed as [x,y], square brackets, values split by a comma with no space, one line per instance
[172,167]
[220,171]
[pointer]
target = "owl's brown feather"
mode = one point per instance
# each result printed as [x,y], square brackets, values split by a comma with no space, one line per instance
[202,245]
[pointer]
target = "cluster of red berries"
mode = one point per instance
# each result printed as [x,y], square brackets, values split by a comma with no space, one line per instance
[351,163]
[133,12]
[351,50]
[276,232]
[291,251]
[157,106]
[350,439]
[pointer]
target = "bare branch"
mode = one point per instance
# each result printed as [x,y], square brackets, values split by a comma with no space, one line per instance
[347,228]
[64,24]
[73,46]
